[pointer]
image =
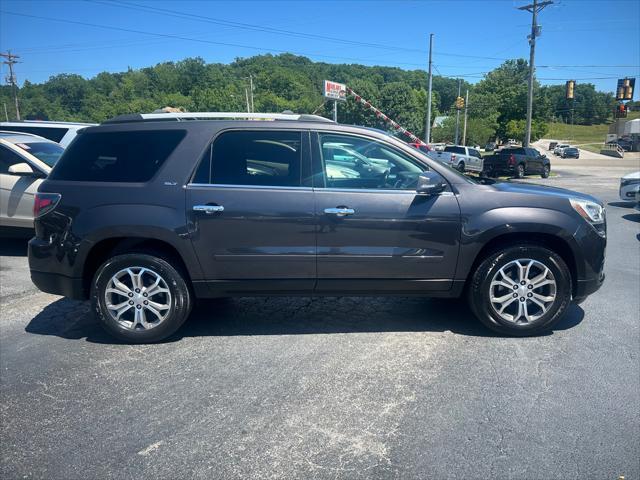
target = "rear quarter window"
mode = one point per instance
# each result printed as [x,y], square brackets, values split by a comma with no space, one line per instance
[133,156]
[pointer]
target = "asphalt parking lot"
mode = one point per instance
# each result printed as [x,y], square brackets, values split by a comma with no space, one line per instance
[329,388]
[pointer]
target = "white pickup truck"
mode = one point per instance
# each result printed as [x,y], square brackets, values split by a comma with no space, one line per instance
[459,157]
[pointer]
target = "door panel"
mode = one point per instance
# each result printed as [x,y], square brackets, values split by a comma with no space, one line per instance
[251,236]
[392,241]
[262,234]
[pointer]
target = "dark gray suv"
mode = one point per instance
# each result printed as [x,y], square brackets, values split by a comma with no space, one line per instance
[144,213]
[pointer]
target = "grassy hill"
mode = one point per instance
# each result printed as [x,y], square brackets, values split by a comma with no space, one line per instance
[589,137]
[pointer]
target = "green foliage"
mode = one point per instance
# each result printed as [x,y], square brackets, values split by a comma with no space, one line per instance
[516,129]
[290,82]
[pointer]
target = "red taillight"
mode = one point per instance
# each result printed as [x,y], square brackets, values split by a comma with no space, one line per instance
[512,159]
[453,157]
[44,203]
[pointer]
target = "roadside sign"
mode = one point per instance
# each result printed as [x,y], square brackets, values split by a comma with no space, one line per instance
[334,90]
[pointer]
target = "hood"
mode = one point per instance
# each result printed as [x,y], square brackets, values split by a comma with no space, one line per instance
[533,189]
[632,176]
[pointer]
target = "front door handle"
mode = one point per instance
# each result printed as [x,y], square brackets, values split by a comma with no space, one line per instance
[208,209]
[340,211]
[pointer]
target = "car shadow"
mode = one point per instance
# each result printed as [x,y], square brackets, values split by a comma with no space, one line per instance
[290,316]
[629,204]
[13,247]
[632,217]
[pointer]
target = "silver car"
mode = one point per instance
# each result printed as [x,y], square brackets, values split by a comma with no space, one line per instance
[25,160]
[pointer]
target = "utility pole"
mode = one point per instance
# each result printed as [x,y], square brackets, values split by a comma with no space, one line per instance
[335,111]
[6,114]
[427,130]
[251,87]
[246,96]
[11,79]
[457,117]
[464,129]
[533,8]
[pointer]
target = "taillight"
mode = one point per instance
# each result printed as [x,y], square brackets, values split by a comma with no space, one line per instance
[453,157]
[44,203]
[512,159]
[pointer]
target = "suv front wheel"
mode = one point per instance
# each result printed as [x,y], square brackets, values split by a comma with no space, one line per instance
[521,290]
[140,298]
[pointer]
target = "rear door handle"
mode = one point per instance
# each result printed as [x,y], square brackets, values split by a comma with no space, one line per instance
[208,209]
[339,211]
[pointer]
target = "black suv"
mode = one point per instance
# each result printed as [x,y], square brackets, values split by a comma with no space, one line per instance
[144,213]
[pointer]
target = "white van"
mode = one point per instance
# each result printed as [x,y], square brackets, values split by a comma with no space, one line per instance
[60,132]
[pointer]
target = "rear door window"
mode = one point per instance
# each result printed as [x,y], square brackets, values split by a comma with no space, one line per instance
[261,158]
[133,156]
[51,133]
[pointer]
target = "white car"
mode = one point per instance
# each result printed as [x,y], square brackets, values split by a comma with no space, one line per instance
[630,187]
[559,148]
[25,160]
[60,132]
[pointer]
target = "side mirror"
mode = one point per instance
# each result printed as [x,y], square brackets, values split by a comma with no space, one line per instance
[21,169]
[430,183]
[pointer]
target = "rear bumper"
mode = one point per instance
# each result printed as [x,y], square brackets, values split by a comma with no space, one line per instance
[57,284]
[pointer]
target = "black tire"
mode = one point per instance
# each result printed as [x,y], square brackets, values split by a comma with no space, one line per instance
[519,171]
[545,171]
[480,285]
[180,300]
[461,167]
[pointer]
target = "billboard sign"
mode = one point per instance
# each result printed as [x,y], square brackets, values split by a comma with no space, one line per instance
[334,90]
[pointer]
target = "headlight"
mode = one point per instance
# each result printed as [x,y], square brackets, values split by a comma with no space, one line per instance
[592,212]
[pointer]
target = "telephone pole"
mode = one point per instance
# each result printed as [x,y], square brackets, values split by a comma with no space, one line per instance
[11,78]
[251,86]
[427,130]
[533,8]
[458,116]
[464,129]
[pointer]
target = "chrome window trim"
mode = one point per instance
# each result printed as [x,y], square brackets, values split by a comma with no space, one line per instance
[309,189]
[259,187]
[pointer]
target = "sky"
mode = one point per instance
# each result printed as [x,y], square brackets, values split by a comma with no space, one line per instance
[591,41]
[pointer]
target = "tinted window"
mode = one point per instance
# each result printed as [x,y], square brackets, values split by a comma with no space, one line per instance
[517,151]
[117,156]
[8,158]
[268,158]
[474,153]
[46,152]
[52,133]
[354,162]
[452,149]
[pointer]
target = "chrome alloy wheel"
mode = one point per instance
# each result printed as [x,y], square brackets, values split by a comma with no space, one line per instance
[522,291]
[138,298]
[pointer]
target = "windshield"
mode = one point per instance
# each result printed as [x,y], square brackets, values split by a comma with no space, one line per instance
[46,152]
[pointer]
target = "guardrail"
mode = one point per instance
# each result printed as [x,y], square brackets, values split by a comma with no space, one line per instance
[613,150]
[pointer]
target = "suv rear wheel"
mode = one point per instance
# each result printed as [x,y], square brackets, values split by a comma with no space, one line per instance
[461,167]
[520,171]
[140,298]
[521,290]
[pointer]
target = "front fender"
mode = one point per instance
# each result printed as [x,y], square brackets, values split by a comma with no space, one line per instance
[483,228]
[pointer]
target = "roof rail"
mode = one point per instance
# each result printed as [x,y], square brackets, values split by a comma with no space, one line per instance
[139,117]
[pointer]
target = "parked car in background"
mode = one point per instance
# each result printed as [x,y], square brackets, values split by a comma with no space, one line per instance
[630,187]
[552,145]
[624,144]
[60,132]
[570,152]
[144,216]
[517,162]
[559,147]
[461,158]
[24,161]
[490,147]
